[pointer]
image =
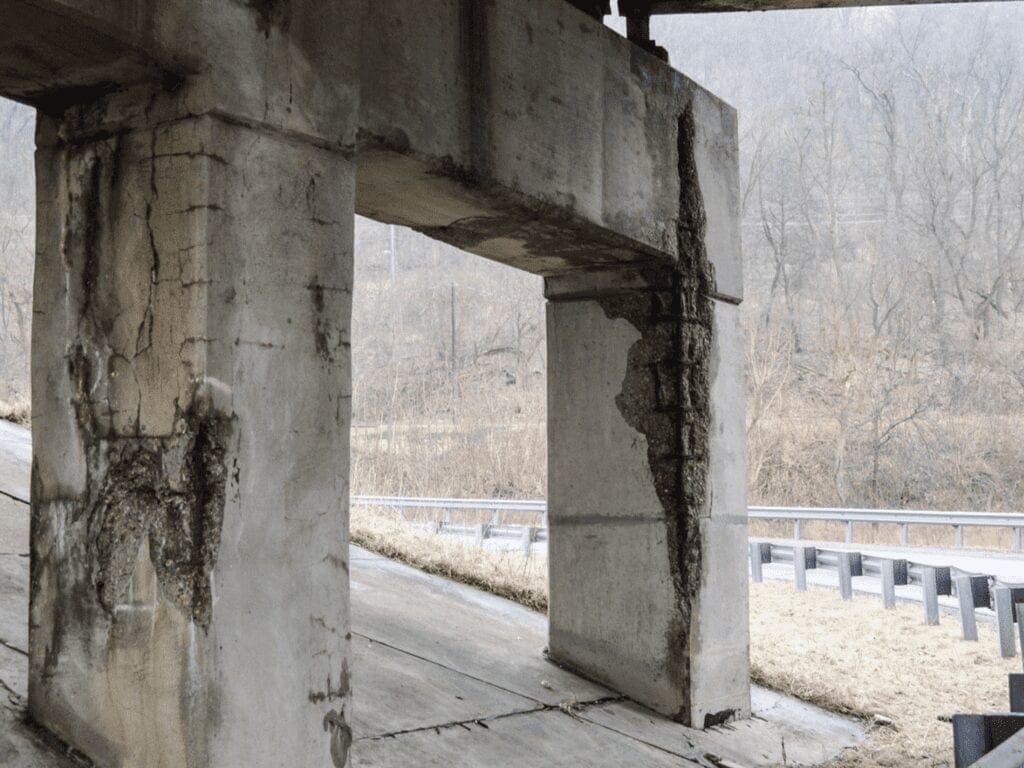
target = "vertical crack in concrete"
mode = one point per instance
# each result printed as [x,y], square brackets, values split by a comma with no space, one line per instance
[666,395]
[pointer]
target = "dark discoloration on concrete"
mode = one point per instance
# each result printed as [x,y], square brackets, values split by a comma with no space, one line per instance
[333,692]
[666,393]
[327,337]
[169,491]
[473,42]
[340,735]
[166,489]
[718,718]
[270,14]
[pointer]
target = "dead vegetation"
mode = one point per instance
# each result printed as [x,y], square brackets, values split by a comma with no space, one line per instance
[15,410]
[888,666]
[508,574]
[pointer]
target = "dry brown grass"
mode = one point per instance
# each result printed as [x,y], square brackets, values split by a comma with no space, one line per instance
[508,574]
[16,410]
[855,657]
[849,657]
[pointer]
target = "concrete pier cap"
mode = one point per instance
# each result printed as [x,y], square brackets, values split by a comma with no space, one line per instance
[198,169]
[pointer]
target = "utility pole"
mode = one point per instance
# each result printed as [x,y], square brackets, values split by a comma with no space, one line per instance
[453,339]
[454,348]
[392,250]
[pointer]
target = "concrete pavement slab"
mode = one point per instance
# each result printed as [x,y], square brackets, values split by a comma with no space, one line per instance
[14,601]
[15,460]
[551,738]
[483,636]
[396,691]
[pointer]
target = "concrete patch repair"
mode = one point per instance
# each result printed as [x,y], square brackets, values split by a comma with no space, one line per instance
[198,169]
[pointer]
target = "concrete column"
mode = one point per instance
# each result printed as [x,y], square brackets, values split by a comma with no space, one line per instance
[191,417]
[646,499]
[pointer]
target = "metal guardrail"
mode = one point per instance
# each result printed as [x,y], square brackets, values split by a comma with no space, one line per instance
[903,518]
[972,590]
[495,528]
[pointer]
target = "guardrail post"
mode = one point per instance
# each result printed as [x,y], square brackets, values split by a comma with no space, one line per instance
[1004,621]
[958,536]
[1017,687]
[894,572]
[481,531]
[1020,631]
[929,584]
[965,595]
[760,552]
[849,566]
[904,534]
[803,558]
[529,536]
[1018,539]
[849,531]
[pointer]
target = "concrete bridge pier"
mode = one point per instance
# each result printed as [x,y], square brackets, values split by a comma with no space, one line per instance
[191,404]
[198,169]
[647,525]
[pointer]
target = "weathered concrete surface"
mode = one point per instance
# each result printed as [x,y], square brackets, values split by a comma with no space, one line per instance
[637,475]
[192,296]
[426,704]
[287,67]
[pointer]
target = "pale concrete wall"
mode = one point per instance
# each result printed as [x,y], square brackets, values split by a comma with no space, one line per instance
[646,455]
[613,608]
[648,588]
